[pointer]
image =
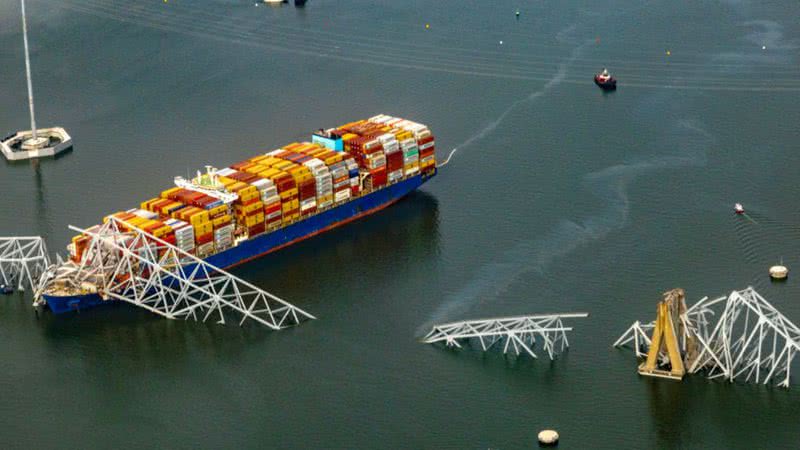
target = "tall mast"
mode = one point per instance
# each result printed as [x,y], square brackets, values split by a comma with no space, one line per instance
[28,69]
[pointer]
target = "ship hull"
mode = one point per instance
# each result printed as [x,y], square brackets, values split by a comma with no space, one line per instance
[270,242]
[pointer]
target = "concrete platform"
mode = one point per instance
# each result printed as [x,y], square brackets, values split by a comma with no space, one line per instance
[53,141]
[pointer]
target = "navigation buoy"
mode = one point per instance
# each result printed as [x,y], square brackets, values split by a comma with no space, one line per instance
[548,437]
[779,272]
[427,26]
[517,14]
[763,47]
[501,42]
[669,52]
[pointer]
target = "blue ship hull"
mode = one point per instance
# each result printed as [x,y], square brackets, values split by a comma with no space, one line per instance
[270,242]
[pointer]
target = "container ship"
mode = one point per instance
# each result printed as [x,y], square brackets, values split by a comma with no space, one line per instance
[232,215]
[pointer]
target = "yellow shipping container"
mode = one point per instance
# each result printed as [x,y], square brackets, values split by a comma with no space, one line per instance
[258,159]
[201,216]
[288,194]
[246,197]
[168,192]
[163,231]
[221,220]
[146,204]
[254,220]
[284,165]
[203,228]
[271,161]
[333,159]
[217,210]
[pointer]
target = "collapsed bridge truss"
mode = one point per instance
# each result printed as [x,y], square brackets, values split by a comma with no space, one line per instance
[520,333]
[23,259]
[133,266]
[740,336]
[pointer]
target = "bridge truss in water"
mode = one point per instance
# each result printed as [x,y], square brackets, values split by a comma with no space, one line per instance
[22,261]
[738,336]
[134,266]
[519,333]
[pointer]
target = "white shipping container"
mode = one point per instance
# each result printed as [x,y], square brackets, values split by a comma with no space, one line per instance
[274,214]
[225,172]
[272,200]
[342,195]
[427,145]
[145,214]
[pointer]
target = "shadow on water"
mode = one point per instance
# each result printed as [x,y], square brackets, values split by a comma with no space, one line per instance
[408,229]
[36,161]
[509,365]
[402,234]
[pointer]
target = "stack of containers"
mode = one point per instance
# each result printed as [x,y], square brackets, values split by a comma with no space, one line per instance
[271,200]
[319,171]
[287,191]
[368,152]
[425,143]
[343,172]
[249,208]
[202,227]
[184,235]
[416,141]
[394,157]
[306,184]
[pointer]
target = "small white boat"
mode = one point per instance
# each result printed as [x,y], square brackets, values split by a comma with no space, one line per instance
[738,208]
[778,272]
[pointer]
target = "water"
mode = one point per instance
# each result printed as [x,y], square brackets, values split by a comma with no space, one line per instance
[559,198]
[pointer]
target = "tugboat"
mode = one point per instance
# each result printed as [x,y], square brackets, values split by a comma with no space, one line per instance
[738,208]
[605,81]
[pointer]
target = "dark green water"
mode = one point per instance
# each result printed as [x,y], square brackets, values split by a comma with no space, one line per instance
[559,199]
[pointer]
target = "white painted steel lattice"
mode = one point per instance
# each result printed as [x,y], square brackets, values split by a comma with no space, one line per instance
[22,260]
[520,333]
[136,267]
[739,336]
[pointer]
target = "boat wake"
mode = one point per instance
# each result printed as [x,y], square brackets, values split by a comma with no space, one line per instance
[559,76]
[534,256]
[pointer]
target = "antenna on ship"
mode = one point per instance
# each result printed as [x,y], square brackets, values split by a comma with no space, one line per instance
[33,143]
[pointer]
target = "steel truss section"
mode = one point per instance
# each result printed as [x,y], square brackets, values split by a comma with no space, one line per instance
[739,336]
[517,332]
[135,267]
[22,261]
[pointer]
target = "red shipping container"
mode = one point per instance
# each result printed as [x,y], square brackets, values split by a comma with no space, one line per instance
[169,239]
[394,161]
[425,140]
[272,208]
[204,238]
[379,176]
[256,229]
[240,164]
[249,202]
